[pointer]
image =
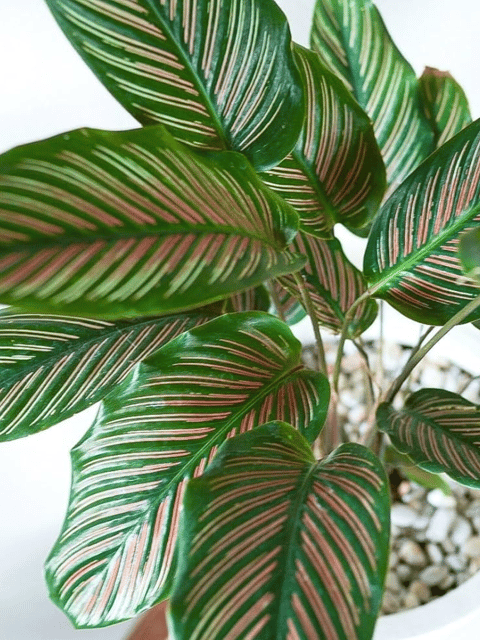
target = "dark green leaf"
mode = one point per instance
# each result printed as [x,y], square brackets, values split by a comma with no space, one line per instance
[333,283]
[444,103]
[352,40]
[439,430]
[335,173]
[115,555]
[275,545]
[469,253]
[133,224]
[412,258]
[219,74]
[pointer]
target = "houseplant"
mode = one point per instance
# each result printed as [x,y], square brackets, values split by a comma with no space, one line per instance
[85,163]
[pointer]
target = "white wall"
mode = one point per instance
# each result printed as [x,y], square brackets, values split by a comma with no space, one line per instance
[44,89]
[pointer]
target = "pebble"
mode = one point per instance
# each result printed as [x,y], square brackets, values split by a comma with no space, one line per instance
[440,525]
[472,547]
[404,572]
[412,553]
[447,582]
[457,562]
[448,546]
[432,576]
[403,516]
[461,532]
[392,583]
[438,499]
[473,511]
[420,589]
[391,602]
[411,601]
[435,553]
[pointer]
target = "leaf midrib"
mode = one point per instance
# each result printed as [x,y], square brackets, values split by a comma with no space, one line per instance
[417,257]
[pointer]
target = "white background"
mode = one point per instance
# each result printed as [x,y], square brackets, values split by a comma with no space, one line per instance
[44,89]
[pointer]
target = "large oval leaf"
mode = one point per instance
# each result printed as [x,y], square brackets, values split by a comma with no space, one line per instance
[444,103]
[439,430]
[219,74]
[335,173]
[160,428]
[333,283]
[275,545]
[352,40]
[133,223]
[411,258]
[55,366]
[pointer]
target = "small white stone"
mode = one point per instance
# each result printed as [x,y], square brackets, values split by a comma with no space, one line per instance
[473,510]
[402,515]
[392,583]
[412,553]
[461,532]
[393,559]
[420,589]
[448,546]
[457,562]
[472,547]
[435,553]
[476,523]
[421,522]
[432,377]
[432,576]
[447,582]
[391,602]
[411,601]
[404,572]
[440,525]
[437,499]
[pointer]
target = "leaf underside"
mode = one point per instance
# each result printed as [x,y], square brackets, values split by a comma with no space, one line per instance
[352,41]
[115,555]
[412,257]
[335,173]
[439,430]
[55,366]
[219,74]
[132,224]
[277,546]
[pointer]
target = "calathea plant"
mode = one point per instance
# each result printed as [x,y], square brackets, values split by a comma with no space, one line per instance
[157,270]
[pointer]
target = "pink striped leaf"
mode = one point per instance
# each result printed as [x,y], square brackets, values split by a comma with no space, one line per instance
[134,223]
[219,74]
[256,299]
[274,544]
[352,40]
[54,366]
[412,257]
[115,555]
[333,283]
[335,173]
[439,430]
[444,103]
[286,306]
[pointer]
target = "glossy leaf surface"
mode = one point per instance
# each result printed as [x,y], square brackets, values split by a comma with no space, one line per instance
[55,366]
[439,430]
[115,555]
[275,545]
[286,306]
[218,73]
[333,283]
[133,223]
[444,103]
[352,40]
[335,173]
[469,253]
[411,258]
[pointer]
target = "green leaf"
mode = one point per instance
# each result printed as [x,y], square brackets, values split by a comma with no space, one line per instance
[444,103]
[286,306]
[352,40]
[469,253]
[275,545]
[256,299]
[411,258]
[333,283]
[335,173]
[133,224]
[115,555]
[414,473]
[219,74]
[55,366]
[439,430]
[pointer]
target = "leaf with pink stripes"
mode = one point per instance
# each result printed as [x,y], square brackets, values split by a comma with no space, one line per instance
[275,545]
[444,103]
[335,173]
[439,430]
[412,258]
[219,74]
[134,223]
[54,366]
[333,283]
[115,555]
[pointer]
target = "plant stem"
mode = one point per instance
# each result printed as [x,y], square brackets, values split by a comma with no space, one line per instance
[309,308]
[276,300]
[418,355]
[344,335]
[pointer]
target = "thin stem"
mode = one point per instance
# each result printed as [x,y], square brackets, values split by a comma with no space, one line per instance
[422,351]
[343,336]
[276,299]
[309,308]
